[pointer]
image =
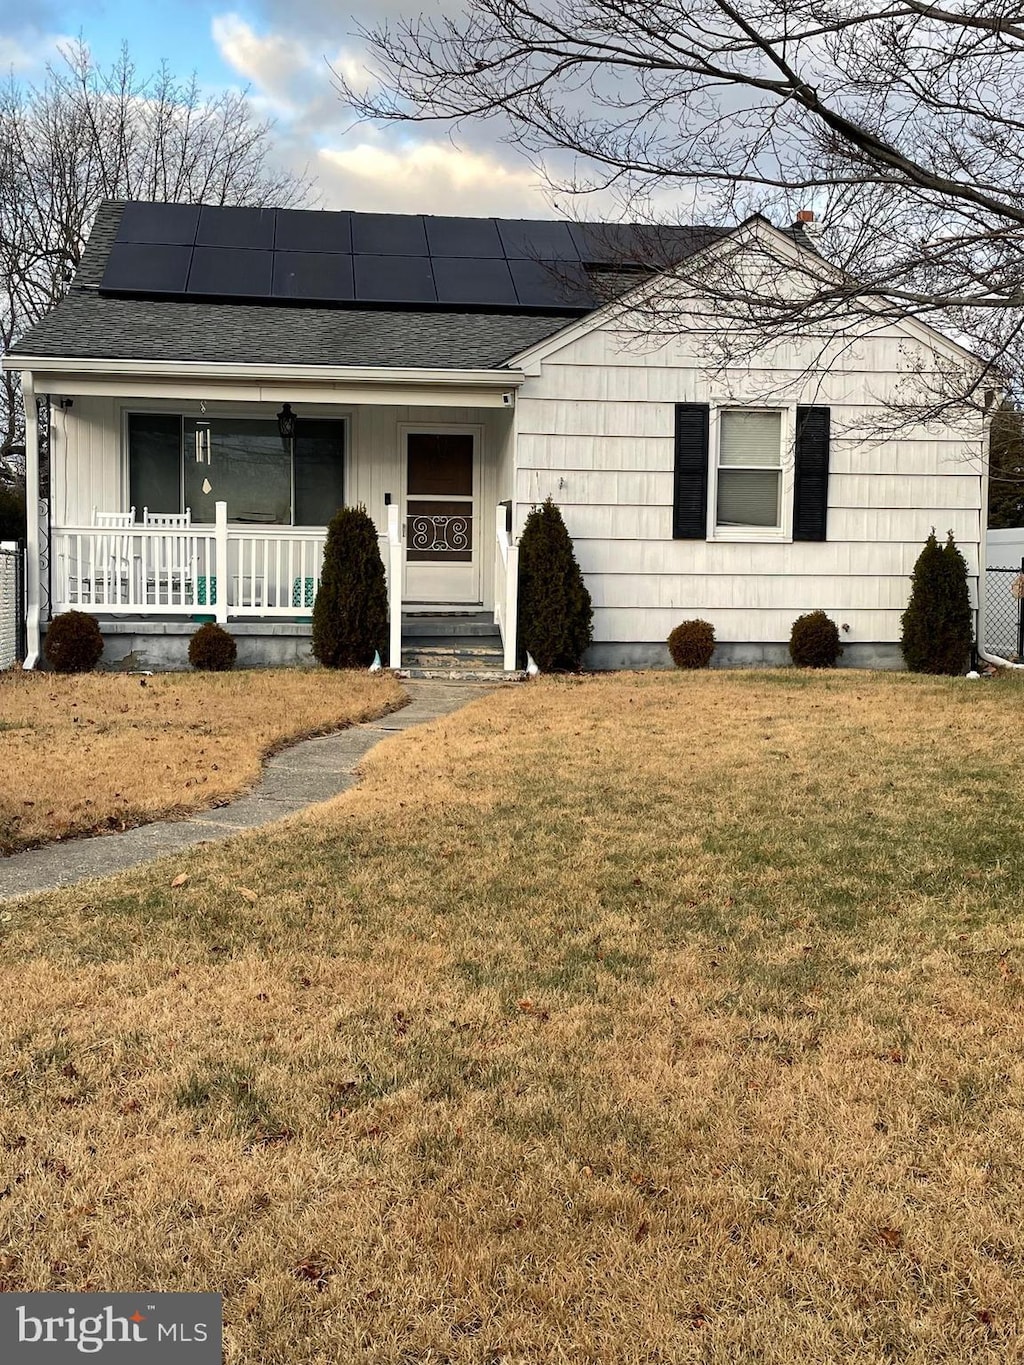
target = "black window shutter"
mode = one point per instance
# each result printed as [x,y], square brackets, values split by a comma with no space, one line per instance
[810,494]
[690,490]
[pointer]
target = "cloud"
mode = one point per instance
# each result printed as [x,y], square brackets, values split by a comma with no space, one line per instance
[28,40]
[428,177]
[272,63]
[383,170]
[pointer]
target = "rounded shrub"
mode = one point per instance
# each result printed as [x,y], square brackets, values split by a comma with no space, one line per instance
[692,644]
[212,649]
[555,611]
[814,641]
[73,642]
[937,624]
[350,613]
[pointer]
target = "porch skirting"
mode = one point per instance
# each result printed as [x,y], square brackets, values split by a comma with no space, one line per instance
[163,645]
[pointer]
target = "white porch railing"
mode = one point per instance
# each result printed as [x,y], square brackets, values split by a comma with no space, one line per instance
[228,571]
[506,587]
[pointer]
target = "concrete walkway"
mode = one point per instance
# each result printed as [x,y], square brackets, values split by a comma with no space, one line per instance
[310,771]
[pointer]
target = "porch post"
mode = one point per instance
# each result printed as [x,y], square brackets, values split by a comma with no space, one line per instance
[510,625]
[220,560]
[32,585]
[394,587]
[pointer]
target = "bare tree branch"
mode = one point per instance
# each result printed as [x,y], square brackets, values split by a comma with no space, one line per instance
[86,134]
[900,124]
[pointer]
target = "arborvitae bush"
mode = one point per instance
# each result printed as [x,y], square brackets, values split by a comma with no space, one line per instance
[937,624]
[73,642]
[692,644]
[212,649]
[12,514]
[350,614]
[555,612]
[814,641]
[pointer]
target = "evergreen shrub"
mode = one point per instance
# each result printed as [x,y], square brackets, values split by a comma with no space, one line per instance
[73,642]
[937,624]
[212,649]
[555,611]
[350,614]
[814,641]
[692,644]
[12,513]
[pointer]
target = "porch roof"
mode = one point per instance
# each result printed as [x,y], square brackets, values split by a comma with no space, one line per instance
[87,325]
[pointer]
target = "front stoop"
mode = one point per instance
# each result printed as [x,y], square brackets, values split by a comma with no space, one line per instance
[454,645]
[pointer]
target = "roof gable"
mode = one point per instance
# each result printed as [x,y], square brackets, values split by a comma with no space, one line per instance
[788,244]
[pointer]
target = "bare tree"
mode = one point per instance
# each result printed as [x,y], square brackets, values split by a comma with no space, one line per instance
[86,134]
[900,123]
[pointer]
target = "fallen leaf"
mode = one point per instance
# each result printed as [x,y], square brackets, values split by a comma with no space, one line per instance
[179,880]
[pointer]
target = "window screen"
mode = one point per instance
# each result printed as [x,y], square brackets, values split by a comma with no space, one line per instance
[319,471]
[749,469]
[154,462]
[262,477]
[250,468]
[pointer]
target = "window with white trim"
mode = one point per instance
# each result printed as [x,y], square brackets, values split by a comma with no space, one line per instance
[748,480]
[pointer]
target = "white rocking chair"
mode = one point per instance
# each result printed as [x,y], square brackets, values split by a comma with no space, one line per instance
[107,580]
[170,576]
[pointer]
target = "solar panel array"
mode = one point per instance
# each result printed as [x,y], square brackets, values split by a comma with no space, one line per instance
[305,256]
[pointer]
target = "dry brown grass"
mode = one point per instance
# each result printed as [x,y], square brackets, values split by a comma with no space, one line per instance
[101,751]
[631,1020]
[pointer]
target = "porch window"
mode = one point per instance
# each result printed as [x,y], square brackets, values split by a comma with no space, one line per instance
[176,462]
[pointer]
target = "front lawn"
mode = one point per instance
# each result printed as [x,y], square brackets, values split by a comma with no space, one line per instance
[631,1019]
[100,751]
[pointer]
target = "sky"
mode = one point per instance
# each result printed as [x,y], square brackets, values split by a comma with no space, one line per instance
[282,52]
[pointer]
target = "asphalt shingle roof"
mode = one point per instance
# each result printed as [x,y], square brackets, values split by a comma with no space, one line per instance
[94,326]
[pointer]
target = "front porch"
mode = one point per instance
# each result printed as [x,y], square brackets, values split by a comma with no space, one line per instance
[150,585]
[177,497]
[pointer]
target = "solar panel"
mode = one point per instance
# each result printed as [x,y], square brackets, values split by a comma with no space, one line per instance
[527,240]
[237,227]
[312,275]
[169,224]
[310,230]
[388,234]
[394,279]
[474,282]
[628,244]
[466,238]
[551,284]
[222,270]
[145,268]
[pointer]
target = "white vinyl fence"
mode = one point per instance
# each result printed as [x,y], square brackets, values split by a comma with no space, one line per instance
[11,604]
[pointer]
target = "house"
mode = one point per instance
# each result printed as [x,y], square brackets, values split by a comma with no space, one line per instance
[218,380]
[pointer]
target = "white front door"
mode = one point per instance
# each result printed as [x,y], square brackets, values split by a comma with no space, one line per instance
[442,560]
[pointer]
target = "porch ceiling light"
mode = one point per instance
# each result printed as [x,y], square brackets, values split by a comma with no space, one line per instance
[286,422]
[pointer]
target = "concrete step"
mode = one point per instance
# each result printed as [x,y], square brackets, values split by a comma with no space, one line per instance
[484,675]
[472,625]
[452,658]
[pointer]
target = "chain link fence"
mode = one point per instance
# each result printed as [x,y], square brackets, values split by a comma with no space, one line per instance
[1004,612]
[12,605]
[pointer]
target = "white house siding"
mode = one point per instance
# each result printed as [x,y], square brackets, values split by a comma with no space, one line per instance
[596,433]
[85,465]
[90,470]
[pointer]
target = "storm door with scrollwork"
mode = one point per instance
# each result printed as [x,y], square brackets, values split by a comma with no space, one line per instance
[440,533]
